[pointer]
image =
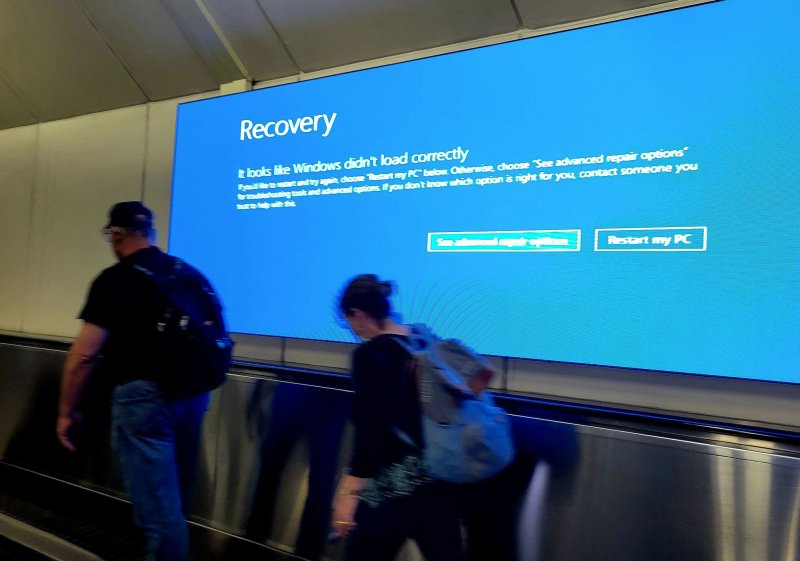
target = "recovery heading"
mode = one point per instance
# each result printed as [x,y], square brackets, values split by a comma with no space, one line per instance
[308,124]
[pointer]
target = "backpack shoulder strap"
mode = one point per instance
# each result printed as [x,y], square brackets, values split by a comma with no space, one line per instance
[154,278]
[407,347]
[157,274]
[423,332]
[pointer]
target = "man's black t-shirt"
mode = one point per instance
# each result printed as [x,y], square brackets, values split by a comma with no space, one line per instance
[123,301]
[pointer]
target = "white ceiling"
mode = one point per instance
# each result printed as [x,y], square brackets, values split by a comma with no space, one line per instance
[61,58]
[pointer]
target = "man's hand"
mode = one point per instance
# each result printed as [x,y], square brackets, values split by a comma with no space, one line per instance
[64,425]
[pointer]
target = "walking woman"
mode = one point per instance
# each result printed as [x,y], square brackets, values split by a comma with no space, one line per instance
[387,495]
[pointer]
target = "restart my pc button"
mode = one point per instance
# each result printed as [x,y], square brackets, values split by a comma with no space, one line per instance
[687,238]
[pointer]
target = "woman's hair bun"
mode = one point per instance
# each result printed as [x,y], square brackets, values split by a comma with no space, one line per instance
[369,294]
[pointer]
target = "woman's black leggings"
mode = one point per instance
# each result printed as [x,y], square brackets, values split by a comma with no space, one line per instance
[429,516]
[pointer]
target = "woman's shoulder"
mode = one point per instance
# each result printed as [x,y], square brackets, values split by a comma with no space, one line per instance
[384,345]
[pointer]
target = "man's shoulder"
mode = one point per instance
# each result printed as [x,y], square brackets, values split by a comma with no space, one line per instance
[156,263]
[150,258]
[108,276]
[124,274]
[107,290]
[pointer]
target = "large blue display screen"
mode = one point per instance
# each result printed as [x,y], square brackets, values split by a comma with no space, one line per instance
[623,195]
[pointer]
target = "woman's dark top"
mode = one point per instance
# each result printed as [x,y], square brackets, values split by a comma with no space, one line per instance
[385,397]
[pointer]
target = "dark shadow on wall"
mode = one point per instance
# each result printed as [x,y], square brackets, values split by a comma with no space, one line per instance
[502,516]
[300,416]
[34,444]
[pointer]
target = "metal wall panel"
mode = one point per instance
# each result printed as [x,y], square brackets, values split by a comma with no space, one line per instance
[318,353]
[33,383]
[732,400]
[276,462]
[17,163]
[62,66]
[83,166]
[582,490]
[258,349]
[321,34]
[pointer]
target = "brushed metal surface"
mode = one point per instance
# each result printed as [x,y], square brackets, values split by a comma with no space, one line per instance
[578,491]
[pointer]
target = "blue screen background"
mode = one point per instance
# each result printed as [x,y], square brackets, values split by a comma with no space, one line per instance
[720,79]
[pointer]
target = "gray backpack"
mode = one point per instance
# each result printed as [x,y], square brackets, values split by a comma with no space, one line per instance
[467,437]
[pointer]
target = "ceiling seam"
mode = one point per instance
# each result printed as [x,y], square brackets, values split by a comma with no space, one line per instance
[281,40]
[517,14]
[111,49]
[36,254]
[34,110]
[181,24]
[26,302]
[223,39]
[143,188]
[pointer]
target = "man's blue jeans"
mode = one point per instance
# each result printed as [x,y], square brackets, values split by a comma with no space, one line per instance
[156,439]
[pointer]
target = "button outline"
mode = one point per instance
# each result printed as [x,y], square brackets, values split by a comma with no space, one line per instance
[573,230]
[703,228]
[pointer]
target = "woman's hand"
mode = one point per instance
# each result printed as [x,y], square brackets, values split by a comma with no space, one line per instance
[345,505]
[344,513]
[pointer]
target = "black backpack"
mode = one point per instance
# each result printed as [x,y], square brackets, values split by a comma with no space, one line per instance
[193,344]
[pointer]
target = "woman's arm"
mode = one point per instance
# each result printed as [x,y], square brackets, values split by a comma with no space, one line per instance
[345,505]
[369,415]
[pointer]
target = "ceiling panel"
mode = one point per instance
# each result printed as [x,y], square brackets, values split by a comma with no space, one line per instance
[195,25]
[13,111]
[152,46]
[58,62]
[61,58]
[322,34]
[253,38]
[538,13]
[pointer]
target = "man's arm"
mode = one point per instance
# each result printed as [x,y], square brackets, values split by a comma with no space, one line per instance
[81,361]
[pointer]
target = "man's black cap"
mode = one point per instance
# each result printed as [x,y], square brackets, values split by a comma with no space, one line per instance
[130,214]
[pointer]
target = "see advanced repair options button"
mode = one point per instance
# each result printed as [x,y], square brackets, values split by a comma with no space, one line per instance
[507,241]
[686,238]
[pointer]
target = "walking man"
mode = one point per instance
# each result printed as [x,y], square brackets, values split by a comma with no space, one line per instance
[155,433]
